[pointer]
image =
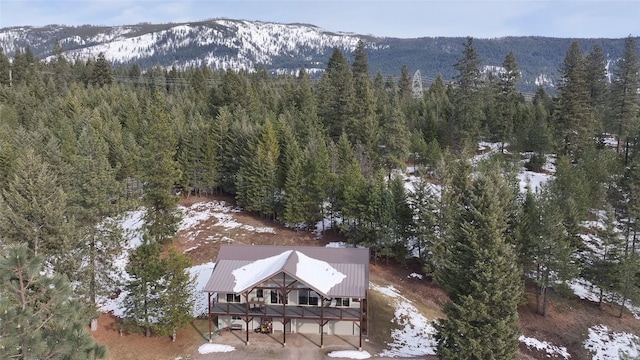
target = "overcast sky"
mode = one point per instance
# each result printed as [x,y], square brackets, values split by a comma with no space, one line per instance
[393,18]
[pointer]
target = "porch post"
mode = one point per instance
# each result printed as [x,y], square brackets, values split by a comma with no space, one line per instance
[246,314]
[360,327]
[285,296]
[209,316]
[321,322]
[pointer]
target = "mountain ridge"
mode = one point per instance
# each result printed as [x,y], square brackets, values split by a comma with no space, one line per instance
[223,43]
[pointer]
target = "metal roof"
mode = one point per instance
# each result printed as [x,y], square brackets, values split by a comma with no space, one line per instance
[352,262]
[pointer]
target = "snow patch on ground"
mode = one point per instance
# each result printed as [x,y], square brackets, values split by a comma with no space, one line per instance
[131,224]
[416,334]
[349,354]
[609,345]
[215,348]
[415,275]
[201,273]
[533,180]
[586,290]
[551,350]
[202,212]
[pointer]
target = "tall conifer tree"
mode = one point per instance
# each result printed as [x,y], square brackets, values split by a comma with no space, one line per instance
[40,316]
[575,124]
[482,317]
[468,115]
[625,101]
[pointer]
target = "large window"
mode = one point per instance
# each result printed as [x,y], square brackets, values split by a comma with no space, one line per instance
[233,298]
[307,297]
[276,297]
[342,301]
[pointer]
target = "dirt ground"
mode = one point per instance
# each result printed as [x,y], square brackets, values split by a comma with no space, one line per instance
[566,324]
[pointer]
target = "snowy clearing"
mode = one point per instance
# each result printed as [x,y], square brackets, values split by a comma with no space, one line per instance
[416,335]
[608,345]
[202,212]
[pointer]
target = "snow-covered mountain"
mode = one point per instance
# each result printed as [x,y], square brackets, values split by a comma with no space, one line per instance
[285,48]
[219,44]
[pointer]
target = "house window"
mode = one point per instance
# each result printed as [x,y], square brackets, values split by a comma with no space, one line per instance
[259,293]
[307,297]
[233,298]
[342,301]
[236,318]
[276,297]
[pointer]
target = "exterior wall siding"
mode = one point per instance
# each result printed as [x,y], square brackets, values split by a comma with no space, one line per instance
[301,326]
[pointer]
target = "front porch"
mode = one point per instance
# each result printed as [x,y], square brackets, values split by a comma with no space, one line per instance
[325,313]
[288,311]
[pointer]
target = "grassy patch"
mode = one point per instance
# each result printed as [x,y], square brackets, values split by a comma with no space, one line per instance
[381,315]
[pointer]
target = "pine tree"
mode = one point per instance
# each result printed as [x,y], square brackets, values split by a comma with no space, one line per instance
[315,167]
[507,99]
[294,197]
[605,256]
[364,129]
[628,287]
[40,317]
[257,178]
[101,74]
[197,156]
[33,211]
[145,268]
[336,95]
[423,203]
[349,183]
[160,172]
[552,250]
[467,116]
[360,61]
[5,69]
[394,146]
[597,83]
[402,218]
[575,124]
[482,317]
[439,108]
[95,202]
[405,85]
[176,300]
[625,103]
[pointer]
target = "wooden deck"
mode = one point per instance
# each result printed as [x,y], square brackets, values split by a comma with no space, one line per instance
[288,311]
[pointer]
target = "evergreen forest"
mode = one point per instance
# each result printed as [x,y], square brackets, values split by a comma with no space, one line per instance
[78,149]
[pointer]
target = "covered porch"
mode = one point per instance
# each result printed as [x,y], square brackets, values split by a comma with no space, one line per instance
[284,313]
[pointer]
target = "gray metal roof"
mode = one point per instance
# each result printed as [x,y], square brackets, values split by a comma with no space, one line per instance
[352,262]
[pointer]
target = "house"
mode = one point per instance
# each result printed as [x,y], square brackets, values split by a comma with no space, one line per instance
[290,289]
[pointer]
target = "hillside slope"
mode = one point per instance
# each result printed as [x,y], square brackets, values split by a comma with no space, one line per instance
[285,48]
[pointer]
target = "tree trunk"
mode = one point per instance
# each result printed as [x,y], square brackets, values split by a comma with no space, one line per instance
[173,336]
[544,302]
